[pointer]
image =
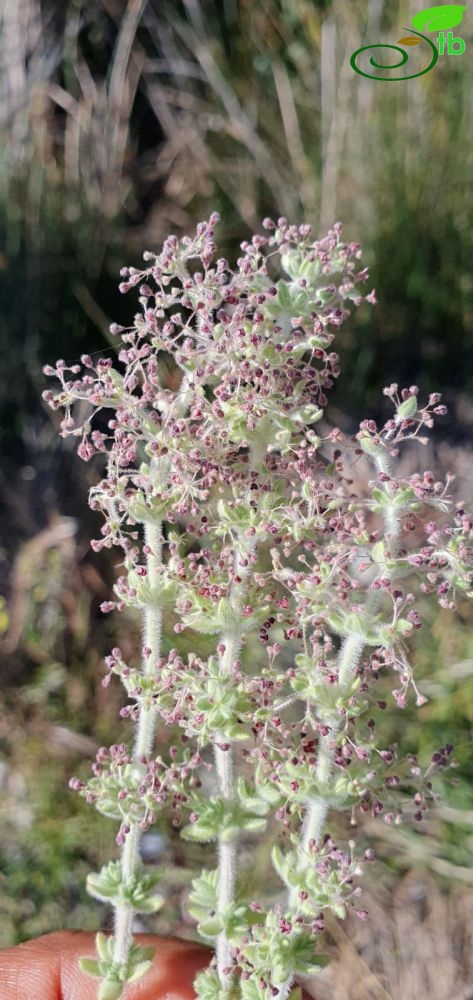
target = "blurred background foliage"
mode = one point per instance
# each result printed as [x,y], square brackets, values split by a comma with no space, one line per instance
[120,122]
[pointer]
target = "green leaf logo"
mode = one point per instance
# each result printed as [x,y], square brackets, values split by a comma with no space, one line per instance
[439,18]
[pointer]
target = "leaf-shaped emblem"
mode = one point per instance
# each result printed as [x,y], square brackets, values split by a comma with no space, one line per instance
[409,40]
[439,18]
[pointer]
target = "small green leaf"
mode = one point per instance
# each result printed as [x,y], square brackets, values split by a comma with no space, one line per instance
[103,894]
[230,833]
[115,377]
[104,946]
[322,961]
[150,905]
[277,857]
[284,298]
[211,927]
[279,972]
[439,18]
[270,793]
[225,614]
[378,552]
[110,989]
[402,498]
[139,971]
[253,824]
[90,966]
[198,833]
[250,989]
[369,444]
[409,406]
[203,895]
[145,954]
[207,985]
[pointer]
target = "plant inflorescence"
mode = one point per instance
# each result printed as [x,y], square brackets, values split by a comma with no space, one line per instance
[240,522]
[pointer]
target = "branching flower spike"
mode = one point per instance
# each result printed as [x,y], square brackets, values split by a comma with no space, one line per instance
[241,521]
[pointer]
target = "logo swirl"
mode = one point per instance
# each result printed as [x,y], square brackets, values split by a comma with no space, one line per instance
[402,61]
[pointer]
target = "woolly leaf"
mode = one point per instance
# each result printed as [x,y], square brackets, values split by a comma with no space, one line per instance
[142,954]
[207,985]
[90,966]
[199,833]
[250,989]
[110,989]
[104,946]
[139,971]
[211,927]
[151,904]
[203,895]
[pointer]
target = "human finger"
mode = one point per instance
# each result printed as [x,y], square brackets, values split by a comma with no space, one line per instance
[47,969]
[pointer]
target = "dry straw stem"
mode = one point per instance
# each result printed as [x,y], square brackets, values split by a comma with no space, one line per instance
[260,109]
[418,944]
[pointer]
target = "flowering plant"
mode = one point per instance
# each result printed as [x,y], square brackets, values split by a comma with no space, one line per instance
[239,522]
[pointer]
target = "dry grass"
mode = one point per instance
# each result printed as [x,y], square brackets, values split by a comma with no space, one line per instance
[260,105]
[417,945]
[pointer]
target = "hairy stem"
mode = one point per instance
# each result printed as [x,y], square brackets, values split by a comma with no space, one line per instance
[348,660]
[227,852]
[224,759]
[224,764]
[349,657]
[130,856]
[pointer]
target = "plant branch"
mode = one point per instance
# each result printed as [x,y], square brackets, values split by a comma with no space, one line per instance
[224,764]
[224,759]
[348,660]
[130,857]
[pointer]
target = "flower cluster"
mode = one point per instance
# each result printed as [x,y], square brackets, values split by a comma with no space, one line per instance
[239,522]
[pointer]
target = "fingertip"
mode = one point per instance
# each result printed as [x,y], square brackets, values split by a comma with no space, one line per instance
[47,968]
[171,977]
[30,971]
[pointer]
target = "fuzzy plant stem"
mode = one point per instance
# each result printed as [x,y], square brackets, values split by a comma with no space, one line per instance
[348,660]
[227,852]
[130,856]
[224,765]
[224,759]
